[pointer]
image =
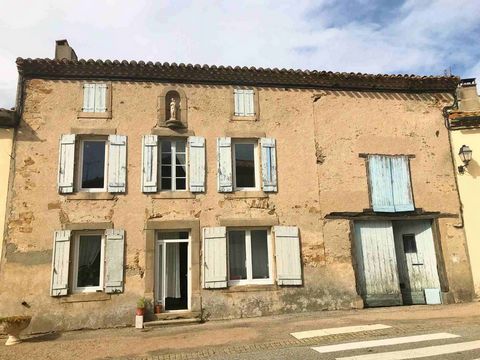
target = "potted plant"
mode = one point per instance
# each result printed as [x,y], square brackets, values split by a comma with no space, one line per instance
[13,326]
[140,307]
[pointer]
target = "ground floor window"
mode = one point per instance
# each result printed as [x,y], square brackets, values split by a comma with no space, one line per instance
[249,256]
[88,262]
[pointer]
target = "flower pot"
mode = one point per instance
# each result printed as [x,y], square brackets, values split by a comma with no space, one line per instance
[140,311]
[158,308]
[13,326]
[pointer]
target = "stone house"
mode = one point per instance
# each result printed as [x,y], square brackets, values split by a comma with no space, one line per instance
[226,192]
[463,120]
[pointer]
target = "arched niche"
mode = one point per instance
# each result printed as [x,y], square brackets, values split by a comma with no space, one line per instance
[164,113]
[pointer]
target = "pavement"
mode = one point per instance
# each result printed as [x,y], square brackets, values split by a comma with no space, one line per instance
[409,332]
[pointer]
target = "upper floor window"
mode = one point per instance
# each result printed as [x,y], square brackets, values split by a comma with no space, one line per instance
[100,163]
[244,102]
[390,185]
[245,165]
[173,164]
[95,98]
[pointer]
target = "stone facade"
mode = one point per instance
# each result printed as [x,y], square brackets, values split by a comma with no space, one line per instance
[322,188]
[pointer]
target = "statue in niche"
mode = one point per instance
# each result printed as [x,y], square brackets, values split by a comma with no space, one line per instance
[173,109]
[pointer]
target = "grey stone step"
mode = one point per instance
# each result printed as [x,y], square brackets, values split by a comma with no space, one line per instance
[172,322]
[177,315]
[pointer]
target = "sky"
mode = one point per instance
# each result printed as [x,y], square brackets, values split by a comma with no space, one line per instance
[385,36]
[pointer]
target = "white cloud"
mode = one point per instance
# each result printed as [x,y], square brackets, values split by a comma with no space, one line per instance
[418,37]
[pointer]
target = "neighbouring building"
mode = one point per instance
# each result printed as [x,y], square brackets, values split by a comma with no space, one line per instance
[227,192]
[7,128]
[463,119]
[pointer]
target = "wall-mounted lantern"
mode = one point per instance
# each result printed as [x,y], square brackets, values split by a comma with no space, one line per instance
[465,154]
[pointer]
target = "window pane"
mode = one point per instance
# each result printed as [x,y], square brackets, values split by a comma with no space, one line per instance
[166,171]
[89,253]
[93,166]
[173,235]
[237,255]
[259,254]
[181,184]
[180,159]
[166,183]
[180,146]
[166,158]
[181,171]
[409,244]
[166,146]
[245,165]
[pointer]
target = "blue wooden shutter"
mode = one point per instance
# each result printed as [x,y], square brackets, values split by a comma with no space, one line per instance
[269,165]
[100,97]
[60,263]
[287,255]
[402,189]
[224,164]
[66,164]
[149,163]
[196,155]
[380,178]
[117,163]
[114,255]
[249,103]
[239,102]
[88,98]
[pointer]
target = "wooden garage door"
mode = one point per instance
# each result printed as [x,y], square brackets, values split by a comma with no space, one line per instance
[377,273]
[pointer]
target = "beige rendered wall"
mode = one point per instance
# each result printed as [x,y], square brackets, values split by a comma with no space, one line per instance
[6,140]
[319,137]
[469,188]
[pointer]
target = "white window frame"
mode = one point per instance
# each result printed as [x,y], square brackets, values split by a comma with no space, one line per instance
[173,151]
[76,252]
[248,258]
[80,166]
[256,158]
[243,97]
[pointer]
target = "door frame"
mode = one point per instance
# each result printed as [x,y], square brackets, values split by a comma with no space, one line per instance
[160,243]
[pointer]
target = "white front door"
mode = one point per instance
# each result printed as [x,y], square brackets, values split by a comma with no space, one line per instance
[172,270]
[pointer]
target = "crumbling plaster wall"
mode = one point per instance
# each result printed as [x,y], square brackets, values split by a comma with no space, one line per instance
[308,189]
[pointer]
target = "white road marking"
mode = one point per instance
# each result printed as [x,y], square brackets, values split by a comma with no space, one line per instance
[418,353]
[383,342]
[339,330]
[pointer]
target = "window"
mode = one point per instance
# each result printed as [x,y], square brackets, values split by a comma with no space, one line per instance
[94,98]
[245,165]
[88,262]
[390,185]
[410,249]
[173,168]
[244,102]
[92,167]
[92,164]
[249,254]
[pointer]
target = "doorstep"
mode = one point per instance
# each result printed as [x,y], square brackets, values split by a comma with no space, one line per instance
[175,318]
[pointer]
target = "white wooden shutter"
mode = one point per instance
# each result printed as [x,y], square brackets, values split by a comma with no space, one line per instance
[214,257]
[100,97]
[287,255]
[402,188]
[60,263]
[66,164]
[249,103]
[239,102]
[88,97]
[224,162]
[380,178]
[149,163]
[114,255]
[196,155]
[269,165]
[117,163]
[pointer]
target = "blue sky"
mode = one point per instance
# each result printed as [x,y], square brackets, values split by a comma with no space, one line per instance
[412,36]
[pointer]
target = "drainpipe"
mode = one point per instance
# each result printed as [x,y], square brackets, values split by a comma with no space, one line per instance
[449,129]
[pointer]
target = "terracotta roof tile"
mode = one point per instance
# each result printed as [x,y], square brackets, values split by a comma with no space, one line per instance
[226,75]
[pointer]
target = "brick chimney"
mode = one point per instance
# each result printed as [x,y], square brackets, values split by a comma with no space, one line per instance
[468,99]
[64,51]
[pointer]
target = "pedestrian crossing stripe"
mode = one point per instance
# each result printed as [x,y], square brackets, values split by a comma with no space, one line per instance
[383,342]
[339,330]
[419,352]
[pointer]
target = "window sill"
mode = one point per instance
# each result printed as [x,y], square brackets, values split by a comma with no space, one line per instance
[94,115]
[86,297]
[251,288]
[243,118]
[91,196]
[246,195]
[173,195]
